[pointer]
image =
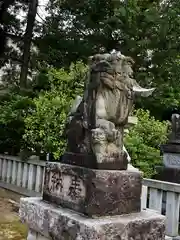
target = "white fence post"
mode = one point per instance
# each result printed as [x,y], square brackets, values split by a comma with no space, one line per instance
[39,179]
[26,178]
[31,177]
[14,172]
[1,164]
[172,214]
[155,199]
[172,202]
[9,171]
[19,174]
[4,169]
[144,197]
[25,175]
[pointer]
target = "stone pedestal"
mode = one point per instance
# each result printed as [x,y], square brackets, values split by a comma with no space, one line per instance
[170,171]
[86,204]
[50,222]
[119,162]
[92,192]
[167,174]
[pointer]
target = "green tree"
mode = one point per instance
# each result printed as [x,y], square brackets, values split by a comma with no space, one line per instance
[146,30]
[28,35]
[45,125]
[14,108]
[18,27]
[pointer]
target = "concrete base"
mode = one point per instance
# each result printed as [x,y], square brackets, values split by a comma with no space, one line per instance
[50,222]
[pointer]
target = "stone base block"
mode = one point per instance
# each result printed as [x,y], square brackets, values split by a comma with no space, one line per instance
[79,159]
[168,174]
[92,192]
[89,161]
[62,224]
[170,148]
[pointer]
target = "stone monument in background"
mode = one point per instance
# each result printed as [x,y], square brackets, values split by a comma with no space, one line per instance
[91,194]
[170,171]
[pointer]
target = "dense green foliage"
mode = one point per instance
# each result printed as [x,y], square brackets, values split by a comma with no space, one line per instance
[45,125]
[14,108]
[146,30]
[143,142]
[37,123]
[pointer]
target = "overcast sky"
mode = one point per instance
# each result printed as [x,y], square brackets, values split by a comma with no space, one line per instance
[41,15]
[41,10]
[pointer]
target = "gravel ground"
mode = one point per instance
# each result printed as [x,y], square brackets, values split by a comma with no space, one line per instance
[10,226]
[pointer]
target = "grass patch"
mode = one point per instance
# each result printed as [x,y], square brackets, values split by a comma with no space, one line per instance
[14,230]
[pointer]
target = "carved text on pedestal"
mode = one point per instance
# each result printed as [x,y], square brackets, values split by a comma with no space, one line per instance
[67,187]
[171,160]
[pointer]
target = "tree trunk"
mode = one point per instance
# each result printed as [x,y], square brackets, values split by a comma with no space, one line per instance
[4,5]
[27,42]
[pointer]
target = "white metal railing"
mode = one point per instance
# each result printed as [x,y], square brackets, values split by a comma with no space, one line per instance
[23,177]
[164,197]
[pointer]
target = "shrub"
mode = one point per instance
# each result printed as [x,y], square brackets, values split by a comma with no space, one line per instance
[45,125]
[143,142]
[13,109]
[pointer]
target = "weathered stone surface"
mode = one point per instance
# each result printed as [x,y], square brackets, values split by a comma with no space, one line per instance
[92,192]
[89,161]
[33,235]
[168,174]
[170,148]
[62,224]
[175,134]
[171,160]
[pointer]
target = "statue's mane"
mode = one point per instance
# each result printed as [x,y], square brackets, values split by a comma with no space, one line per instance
[103,68]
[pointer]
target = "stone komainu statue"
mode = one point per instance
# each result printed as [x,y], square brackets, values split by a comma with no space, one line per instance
[95,127]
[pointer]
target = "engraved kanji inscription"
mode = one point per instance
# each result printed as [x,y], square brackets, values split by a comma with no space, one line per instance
[75,188]
[56,182]
[171,160]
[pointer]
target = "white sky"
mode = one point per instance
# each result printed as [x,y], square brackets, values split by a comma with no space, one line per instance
[39,17]
[41,10]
